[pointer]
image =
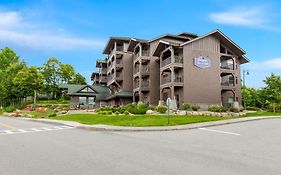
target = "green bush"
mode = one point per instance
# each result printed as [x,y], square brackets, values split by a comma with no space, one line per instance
[195,107]
[139,108]
[186,106]
[109,112]
[126,113]
[232,109]
[241,109]
[252,108]
[1,111]
[161,109]
[117,113]
[153,108]
[217,109]
[52,115]
[10,108]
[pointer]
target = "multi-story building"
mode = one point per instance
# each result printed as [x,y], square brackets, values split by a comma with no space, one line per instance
[187,68]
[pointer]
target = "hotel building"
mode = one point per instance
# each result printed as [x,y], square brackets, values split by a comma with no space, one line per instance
[185,67]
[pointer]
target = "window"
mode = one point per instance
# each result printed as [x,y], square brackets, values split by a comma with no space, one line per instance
[92,101]
[82,100]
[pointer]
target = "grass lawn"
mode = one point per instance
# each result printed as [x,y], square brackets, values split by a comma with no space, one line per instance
[263,113]
[137,120]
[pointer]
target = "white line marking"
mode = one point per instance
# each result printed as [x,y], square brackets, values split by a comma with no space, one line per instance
[8,132]
[30,130]
[34,129]
[219,131]
[21,130]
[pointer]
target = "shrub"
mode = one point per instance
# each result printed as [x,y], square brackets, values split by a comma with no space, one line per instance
[195,107]
[252,108]
[109,112]
[52,115]
[153,108]
[275,106]
[161,109]
[117,113]
[10,108]
[232,109]
[126,113]
[140,108]
[217,109]
[186,106]
[241,109]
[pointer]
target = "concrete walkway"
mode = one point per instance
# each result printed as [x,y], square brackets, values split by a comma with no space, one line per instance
[155,128]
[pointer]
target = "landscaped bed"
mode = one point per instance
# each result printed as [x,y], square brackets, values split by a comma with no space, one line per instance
[137,120]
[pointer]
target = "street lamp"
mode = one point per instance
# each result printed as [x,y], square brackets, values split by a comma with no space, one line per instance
[245,72]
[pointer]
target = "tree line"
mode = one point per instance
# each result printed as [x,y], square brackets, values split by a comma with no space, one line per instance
[18,80]
[268,97]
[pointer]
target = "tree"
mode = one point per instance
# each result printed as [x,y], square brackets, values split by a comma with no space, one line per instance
[78,79]
[28,82]
[66,73]
[273,88]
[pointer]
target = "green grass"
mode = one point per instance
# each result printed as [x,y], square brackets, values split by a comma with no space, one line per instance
[137,120]
[263,113]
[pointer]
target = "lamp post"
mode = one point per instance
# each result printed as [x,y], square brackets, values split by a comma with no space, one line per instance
[245,72]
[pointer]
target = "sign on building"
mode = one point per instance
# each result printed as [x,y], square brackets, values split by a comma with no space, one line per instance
[202,62]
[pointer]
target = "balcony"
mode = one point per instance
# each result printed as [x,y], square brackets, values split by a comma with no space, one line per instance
[145,69]
[119,63]
[103,80]
[227,66]
[119,76]
[166,61]
[143,53]
[227,83]
[165,80]
[178,59]
[136,84]
[178,79]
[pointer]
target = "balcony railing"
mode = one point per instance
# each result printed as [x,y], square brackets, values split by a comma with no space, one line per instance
[145,84]
[165,80]
[229,66]
[145,69]
[143,53]
[178,78]
[136,84]
[178,59]
[166,61]
[118,61]
[119,48]
[103,79]
[227,83]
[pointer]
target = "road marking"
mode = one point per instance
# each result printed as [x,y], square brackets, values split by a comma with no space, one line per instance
[7,126]
[28,130]
[219,131]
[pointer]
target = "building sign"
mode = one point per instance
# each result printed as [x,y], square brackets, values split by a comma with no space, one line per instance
[202,62]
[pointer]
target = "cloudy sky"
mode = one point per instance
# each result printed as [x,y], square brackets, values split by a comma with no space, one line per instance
[76,31]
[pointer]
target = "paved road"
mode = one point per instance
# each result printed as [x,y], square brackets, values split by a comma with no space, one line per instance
[239,149]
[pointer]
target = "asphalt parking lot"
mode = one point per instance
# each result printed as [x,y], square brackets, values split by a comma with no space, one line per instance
[28,148]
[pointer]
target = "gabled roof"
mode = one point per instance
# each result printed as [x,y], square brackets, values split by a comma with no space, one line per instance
[221,36]
[112,40]
[171,36]
[99,92]
[161,46]
[133,42]
[186,34]
[121,94]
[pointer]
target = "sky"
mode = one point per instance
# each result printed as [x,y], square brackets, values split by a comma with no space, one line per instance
[76,32]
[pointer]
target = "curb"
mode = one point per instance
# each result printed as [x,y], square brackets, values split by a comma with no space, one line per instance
[156,128]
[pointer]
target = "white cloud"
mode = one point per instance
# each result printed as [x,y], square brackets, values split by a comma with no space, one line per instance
[241,16]
[267,65]
[9,19]
[16,29]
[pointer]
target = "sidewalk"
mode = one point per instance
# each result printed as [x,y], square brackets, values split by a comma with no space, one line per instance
[154,128]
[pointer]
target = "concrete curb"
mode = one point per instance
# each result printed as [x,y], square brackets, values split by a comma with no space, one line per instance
[158,128]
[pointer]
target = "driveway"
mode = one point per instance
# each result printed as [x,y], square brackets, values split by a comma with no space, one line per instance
[32,148]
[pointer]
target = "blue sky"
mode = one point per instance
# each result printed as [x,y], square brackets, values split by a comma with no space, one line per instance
[75,32]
